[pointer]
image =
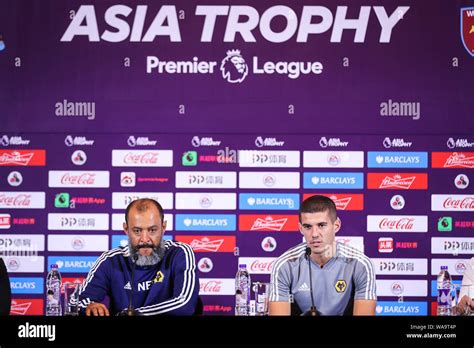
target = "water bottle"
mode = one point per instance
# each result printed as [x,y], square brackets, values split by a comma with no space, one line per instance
[444,292]
[53,292]
[242,291]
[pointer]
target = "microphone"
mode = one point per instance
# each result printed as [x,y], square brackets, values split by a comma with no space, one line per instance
[312,311]
[130,311]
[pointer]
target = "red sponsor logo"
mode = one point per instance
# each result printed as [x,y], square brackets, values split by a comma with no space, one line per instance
[82,179]
[24,221]
[5,220]
[434,308]
[152,179]
[207,158]
[144,158]
[463,203]
[406,245]
[452,160]
[385,244]
[22,157]
[397,181]
[72,280]
[396,224]
[23,306]
[212,244]
[258,266]
[217,159]
[15,201]
[211,286]
[464,224]
[217,308]
[268,223]
[343,201]
[88,200]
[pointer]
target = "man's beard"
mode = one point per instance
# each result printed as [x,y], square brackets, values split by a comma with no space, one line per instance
[147,260]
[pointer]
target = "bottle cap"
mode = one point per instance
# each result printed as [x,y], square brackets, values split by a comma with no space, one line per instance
[54,265]
[242,265]
[444,268]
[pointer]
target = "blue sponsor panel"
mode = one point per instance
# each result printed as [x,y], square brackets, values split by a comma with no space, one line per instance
[26,285]
[434,288]
[392,159]
[205,222]
[333,180]
[401,308]
[119,240]
[269,201]
[72,264]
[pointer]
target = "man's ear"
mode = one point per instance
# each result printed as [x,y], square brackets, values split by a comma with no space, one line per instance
[300,227]
[125,228]
[337,225]
[164,226]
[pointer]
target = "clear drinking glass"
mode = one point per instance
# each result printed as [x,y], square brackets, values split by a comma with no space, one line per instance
[460,291]
[261,292]
[71,297]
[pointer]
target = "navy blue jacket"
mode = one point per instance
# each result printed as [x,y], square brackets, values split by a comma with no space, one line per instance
[170,287]
[5,291]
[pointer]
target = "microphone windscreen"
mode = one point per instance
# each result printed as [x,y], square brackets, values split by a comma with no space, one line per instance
[135,257]
[308,252]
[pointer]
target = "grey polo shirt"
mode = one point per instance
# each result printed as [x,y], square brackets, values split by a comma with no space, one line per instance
[348,275]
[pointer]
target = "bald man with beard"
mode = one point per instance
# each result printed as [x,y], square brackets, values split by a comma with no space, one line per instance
[165,280]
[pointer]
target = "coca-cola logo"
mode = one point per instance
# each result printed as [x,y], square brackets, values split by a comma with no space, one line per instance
[399,224]
[211,286]
[259,266]
[82,179]
[15,201]
[464,203]
[144,158]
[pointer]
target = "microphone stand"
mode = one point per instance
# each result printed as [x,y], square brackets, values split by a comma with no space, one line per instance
[130,311]
[312,311]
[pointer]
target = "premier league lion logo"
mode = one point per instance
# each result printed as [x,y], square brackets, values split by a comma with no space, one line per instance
[233,67]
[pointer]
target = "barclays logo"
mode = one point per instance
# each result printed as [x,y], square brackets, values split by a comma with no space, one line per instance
[72,264]
[27,285]
[205,222]
[392,308]
[262,201]
[333,180]
[389,159]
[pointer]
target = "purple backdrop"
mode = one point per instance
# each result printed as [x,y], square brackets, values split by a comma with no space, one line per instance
[421,78]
